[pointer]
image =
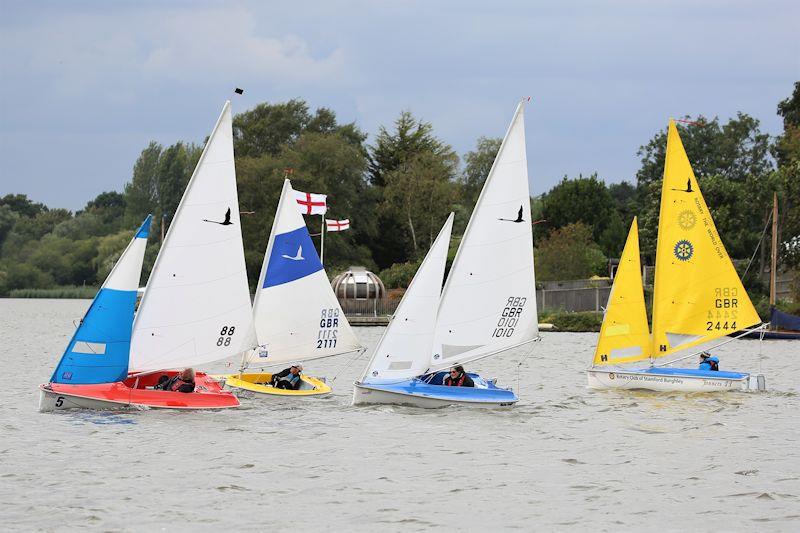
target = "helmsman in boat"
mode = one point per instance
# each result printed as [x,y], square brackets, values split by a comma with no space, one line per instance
[458,378]
[708,362]
[288,378]
[181,382]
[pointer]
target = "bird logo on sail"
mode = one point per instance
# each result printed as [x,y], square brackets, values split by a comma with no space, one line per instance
[688,186]
[226,222]
[297,257]
[516,220]
[684,250]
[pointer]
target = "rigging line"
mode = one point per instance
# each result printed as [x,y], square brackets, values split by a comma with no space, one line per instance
[746,270]
[522,360]
[357,355]
[761,327]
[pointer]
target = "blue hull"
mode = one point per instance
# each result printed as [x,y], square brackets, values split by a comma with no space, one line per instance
[694,372]
[484,393]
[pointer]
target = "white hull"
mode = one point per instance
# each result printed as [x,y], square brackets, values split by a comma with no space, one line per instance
[56,401]
[367,396]
[632,380]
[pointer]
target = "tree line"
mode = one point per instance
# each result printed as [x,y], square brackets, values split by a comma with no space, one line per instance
[398,189]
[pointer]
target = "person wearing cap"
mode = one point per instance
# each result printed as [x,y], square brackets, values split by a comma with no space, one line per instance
[288,378]
[708,362]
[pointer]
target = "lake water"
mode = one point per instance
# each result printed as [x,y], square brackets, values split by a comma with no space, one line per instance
[563,458]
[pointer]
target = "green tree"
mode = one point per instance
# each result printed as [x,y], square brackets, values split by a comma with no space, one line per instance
[787,154]
[478,163]
[421,194]
[588,201]
[141,193]
[569,253]
[391,157]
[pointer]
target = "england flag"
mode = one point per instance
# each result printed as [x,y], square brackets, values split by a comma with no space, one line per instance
[337,225]
[310,203]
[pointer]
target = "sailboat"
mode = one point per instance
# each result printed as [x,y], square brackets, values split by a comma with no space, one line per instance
[296,314]
[196,307]
[698,297]
[487,306]
[95,363]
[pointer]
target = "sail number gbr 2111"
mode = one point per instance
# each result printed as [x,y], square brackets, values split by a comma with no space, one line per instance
[328,327]
[510,316]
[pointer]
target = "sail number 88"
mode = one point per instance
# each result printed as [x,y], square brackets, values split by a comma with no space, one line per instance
[225,335]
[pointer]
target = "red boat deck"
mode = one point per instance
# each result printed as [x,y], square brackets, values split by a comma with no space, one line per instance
[138,390]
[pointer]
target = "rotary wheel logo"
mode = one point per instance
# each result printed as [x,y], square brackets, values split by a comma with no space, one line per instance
[687,219]
[684,250]
[611,375]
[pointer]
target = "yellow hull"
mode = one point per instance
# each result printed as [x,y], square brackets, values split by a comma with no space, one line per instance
[259,383]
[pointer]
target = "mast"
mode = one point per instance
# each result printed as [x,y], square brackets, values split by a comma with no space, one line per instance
[773,270]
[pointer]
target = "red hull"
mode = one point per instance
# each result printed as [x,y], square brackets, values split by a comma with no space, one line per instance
[138,391]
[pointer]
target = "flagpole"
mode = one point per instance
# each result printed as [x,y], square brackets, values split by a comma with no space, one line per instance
[322,241]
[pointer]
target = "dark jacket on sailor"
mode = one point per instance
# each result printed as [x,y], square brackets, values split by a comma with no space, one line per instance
[462,381]
[177,384]
[285,375]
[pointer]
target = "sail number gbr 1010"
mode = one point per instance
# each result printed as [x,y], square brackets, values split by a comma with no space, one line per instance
[509,317]
[328,327]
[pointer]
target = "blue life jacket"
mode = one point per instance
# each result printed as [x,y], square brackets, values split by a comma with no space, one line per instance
[705,365]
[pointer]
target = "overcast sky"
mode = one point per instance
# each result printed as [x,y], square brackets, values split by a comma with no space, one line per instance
[86,85]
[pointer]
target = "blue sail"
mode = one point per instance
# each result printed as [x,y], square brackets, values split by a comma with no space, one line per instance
[100,347]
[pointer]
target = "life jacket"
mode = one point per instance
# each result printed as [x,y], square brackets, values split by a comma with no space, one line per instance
[450,382]
[176,383]
[291,378]
[713,365]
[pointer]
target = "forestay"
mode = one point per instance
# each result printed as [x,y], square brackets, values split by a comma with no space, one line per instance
[697,295]
[296,313]
[404,350]
[99,349]
[625,335]
[196,308]
[488,303]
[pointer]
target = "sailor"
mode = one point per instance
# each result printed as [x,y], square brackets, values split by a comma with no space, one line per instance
[182,382]
[708,362]
[458,378]
[288,378]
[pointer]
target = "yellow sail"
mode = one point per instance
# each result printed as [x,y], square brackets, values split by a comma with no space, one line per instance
[625,335]
[697,296]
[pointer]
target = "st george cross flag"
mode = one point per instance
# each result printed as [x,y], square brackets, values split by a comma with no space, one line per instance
[311,204]
[337,225]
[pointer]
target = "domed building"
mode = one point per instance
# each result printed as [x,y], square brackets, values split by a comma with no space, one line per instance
[358,283]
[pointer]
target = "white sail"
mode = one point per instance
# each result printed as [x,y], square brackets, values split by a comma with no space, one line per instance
[196,308]
[296,314]
[404,350]
[489,301]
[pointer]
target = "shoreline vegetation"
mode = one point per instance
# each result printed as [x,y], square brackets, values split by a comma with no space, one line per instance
[399,186]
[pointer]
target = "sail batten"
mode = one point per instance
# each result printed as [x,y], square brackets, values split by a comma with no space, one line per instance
[489,299]
[697,296]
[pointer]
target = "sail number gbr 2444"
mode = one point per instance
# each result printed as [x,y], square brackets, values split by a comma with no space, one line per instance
[726,309]
[509,317]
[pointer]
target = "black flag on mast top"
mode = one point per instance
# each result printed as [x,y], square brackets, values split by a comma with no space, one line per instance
[238,91]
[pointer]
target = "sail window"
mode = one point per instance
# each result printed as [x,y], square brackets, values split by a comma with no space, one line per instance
[400,365]
[96,348]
